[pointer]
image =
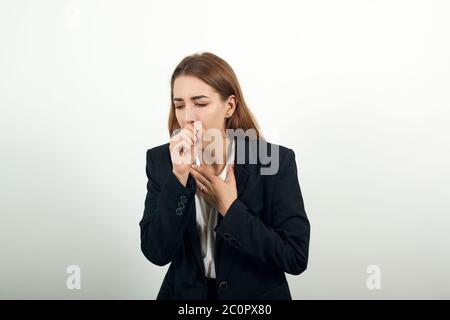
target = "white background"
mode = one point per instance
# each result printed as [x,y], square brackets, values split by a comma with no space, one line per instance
[358,89]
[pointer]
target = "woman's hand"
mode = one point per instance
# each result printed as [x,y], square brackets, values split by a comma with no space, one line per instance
[182,152]
[218,193]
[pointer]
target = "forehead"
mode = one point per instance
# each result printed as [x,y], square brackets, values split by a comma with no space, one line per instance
[187,86]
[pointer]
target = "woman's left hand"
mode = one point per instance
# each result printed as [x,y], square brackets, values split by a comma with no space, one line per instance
[220,194]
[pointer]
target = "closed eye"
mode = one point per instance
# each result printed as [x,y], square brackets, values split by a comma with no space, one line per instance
[198,105]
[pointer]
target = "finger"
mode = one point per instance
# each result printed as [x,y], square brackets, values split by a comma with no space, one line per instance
[178,153]
[186,136]
[205,173]
[189,128]
[183,146]
[201,188]
[179,133]
[200,178]
[175,137]
[189,131]
[178,139]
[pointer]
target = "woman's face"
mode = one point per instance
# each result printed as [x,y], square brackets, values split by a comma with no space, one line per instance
[195,100]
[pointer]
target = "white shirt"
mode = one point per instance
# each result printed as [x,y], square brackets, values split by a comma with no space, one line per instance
[206,216]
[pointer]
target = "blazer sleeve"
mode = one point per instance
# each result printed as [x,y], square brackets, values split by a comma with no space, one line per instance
[165,218]
[286,242]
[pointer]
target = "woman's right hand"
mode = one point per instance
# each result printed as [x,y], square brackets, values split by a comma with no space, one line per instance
[182,152]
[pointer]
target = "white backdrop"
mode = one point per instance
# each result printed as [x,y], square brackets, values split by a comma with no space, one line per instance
[359,90]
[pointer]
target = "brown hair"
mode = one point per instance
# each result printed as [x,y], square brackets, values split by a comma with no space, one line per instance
[218,74]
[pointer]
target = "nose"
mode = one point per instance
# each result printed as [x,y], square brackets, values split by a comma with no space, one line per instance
[189,116]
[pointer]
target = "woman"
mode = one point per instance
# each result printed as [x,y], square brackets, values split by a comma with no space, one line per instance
[229,230]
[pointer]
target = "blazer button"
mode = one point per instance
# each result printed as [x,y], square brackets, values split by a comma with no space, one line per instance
[181,205]
[233,241]
[223,285]
[179,211]
[183,199]
[226,236]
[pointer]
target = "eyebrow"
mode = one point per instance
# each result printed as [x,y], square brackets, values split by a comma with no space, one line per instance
[192,98]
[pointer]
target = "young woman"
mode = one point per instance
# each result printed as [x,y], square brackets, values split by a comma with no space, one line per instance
[228,230]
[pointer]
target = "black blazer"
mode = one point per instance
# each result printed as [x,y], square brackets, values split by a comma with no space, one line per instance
[264,234]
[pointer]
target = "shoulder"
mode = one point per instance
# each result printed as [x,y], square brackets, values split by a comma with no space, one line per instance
[266,158]
[261,146]
[265,148]
[158,163]
[158,160]
[280,159]
[158,152]
[285,152]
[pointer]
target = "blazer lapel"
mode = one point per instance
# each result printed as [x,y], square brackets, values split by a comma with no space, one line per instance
[242,174]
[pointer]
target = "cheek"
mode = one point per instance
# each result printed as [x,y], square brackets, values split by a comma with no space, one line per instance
[208,122]
[204,118]
[213,117]
[178,116]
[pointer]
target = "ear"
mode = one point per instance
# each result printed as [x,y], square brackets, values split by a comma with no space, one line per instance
[230,106]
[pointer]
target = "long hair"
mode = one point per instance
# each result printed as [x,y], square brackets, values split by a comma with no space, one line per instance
[218,74]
